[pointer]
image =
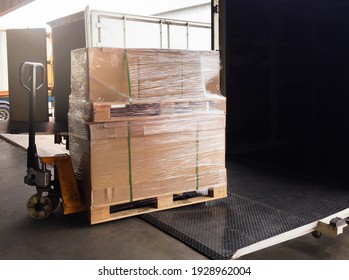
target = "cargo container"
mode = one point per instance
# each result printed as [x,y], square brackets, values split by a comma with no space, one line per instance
[285,79]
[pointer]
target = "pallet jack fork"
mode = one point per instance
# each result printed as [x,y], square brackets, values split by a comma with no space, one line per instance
[63,187]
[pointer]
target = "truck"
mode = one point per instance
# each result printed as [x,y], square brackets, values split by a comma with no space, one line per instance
[284,75]
[95,28]
[285,79]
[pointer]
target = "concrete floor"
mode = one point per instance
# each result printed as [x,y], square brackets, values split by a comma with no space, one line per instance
[71,237]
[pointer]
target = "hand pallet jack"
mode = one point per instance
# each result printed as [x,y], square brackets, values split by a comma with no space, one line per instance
[63,188]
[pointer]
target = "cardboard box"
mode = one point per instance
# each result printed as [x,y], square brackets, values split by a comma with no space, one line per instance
[134,160]
[146,123]
[112,75]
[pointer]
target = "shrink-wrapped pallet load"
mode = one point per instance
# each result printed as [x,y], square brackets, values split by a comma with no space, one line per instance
[146,124]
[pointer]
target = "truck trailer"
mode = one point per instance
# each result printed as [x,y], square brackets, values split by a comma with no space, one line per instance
[284,74]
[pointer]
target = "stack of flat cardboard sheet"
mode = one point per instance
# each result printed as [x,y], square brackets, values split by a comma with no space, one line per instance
[146,124]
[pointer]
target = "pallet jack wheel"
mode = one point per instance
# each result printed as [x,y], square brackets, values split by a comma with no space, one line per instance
[55,202]
[316,234]
[39,207]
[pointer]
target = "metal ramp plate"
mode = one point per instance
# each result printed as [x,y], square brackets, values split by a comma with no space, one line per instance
[264,207]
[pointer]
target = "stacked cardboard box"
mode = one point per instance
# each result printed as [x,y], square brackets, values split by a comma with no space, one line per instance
[145,123]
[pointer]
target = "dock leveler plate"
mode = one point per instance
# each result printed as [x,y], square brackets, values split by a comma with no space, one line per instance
[263,208]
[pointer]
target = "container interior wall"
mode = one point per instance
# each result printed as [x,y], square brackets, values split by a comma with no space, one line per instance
[66,36]
[287,80]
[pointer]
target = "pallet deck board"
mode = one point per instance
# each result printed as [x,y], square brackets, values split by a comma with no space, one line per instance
[100,214]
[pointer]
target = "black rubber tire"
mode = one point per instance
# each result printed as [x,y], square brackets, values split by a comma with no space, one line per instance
[316,234]
[4,113]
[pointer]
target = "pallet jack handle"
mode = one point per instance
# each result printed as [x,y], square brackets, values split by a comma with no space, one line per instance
[32,85]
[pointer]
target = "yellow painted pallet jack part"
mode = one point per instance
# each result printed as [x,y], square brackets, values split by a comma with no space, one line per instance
[70,194]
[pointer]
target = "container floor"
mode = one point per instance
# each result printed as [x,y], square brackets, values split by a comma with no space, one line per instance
[270,192]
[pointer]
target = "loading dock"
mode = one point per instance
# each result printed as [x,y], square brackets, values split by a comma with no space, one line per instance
[285,80]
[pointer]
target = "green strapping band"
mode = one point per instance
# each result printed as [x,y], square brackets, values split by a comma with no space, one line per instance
[129,160]
[197,157]
[128,74]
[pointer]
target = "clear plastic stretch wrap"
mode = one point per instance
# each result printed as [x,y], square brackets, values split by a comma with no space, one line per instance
[114,75]
[144,123]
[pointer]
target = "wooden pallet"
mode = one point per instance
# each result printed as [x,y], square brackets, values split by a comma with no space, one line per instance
[100,214]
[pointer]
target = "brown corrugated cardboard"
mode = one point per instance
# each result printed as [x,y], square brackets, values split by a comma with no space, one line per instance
[111,75]
[146,123]
[143,159]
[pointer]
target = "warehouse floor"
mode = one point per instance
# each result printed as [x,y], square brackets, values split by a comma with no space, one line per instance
[71,237]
